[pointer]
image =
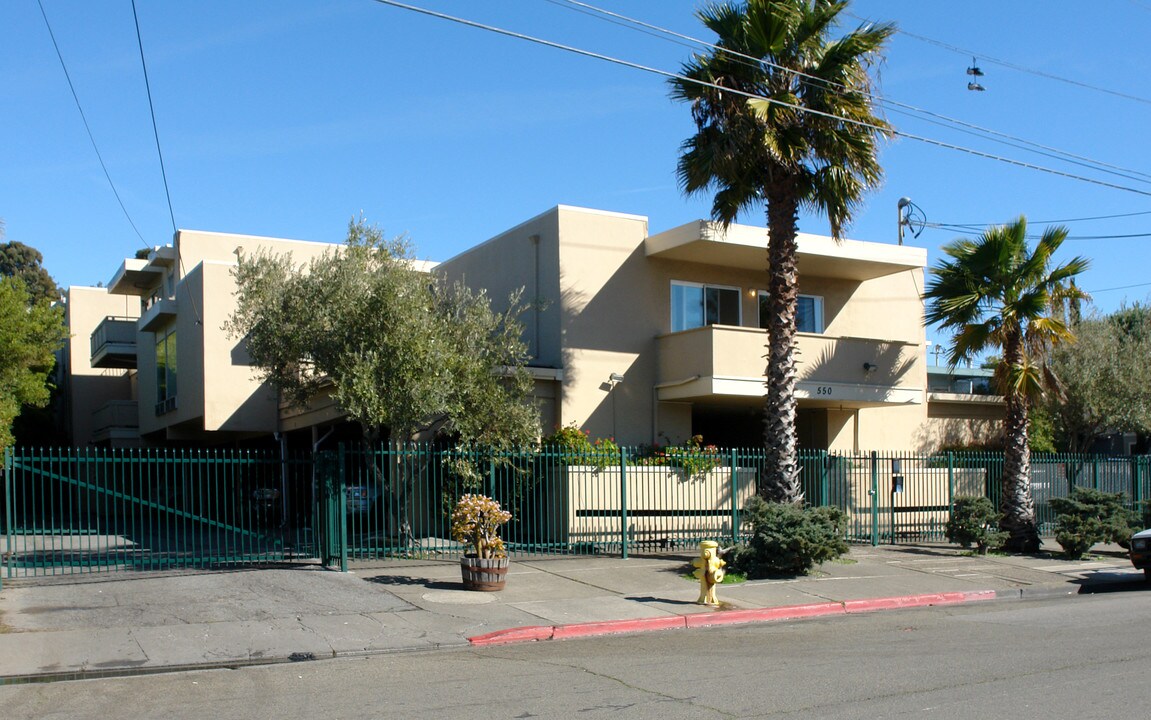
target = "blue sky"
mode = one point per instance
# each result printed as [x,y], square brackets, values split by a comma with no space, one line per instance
[287,117]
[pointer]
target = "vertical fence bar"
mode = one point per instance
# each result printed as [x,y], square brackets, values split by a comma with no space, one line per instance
[734,498]
[874,499]
[1136,487]
[623,501]
[9,514]
[950,483]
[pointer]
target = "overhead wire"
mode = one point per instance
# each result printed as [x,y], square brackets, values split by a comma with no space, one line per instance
[971,128]
[798,108]
[1015,66]
[160,155]
[152,111]
[87,127]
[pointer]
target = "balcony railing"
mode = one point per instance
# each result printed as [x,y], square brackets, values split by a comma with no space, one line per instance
[157,314]
[114,343]
[720,360]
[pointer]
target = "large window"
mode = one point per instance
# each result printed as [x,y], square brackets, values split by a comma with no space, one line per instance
[808,313]
[165,371]
[695,305]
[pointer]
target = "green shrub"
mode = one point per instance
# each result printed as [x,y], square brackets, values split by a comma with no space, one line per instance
[788,539]
[1088,517]
[575,447]
[975,521]
[692,457]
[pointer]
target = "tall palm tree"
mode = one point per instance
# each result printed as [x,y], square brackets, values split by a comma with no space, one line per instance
[783,117]
[994,293]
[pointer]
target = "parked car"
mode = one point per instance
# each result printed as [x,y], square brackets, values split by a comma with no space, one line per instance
[1141,551]
[361,498]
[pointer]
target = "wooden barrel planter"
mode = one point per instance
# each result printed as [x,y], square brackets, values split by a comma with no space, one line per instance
[484,574]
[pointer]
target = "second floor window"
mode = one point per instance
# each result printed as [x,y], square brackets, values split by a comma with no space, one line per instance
[694,305]
[165,369]
[808,313]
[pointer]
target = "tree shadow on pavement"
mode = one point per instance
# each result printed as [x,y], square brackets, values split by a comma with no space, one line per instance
[402,580]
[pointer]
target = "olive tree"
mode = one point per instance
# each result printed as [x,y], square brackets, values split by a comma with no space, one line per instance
[404,352]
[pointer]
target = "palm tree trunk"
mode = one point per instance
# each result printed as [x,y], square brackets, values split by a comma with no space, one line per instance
[780,480]
[1017,504]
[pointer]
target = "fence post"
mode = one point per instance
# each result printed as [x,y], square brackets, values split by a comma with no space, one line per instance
[891,495]
[824,479]
[623,501]
[951,484]
[1136,486]
[734,498]
[9,516]
[874,499]
[341,508]
[1095,472]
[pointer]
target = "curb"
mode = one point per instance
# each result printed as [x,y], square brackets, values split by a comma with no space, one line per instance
[532,633]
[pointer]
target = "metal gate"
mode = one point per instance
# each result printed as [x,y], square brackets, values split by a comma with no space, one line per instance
[91,510]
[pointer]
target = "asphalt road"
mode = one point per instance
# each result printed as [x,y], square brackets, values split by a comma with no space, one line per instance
[1084,657]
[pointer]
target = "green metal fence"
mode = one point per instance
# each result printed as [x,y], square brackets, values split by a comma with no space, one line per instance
[90,510]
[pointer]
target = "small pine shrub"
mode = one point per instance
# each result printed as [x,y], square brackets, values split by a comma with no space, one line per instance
[788,539]
[975,521]
[1088,517]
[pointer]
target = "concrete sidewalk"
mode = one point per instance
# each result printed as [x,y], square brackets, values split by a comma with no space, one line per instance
[95,625]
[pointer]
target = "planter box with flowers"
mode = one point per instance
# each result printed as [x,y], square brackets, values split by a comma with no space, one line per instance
[476,521]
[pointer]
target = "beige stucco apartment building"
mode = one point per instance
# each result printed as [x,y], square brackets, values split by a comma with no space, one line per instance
[158,328]
[658,337]
[642,337]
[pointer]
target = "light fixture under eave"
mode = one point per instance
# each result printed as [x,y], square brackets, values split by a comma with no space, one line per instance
[869,367]
[615,378]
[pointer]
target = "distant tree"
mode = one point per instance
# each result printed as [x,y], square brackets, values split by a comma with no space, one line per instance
[784,119]
[403,352]
[993,292]
[31,331]
[1104,378]
[20,260]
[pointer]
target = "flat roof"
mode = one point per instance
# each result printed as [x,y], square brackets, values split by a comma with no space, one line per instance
[745,246]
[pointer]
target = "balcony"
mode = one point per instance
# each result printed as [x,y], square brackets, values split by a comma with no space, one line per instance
[116,421]
[159,313]
[722,361]
[114,343]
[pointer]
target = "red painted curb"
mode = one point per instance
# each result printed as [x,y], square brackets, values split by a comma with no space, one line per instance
[906,601]
[724,617]
[608,627]
[788,612]
[511,635]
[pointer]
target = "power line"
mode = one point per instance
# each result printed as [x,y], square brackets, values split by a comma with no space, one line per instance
[152,110]
[974,230]
[1065,220]
[163,172]
[87,127]
[664,73]
[972,129]
[1121,287]
[1013,66]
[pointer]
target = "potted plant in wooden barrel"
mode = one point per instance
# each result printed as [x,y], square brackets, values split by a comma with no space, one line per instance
[476,521]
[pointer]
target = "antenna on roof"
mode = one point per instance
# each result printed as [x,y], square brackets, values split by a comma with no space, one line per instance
[908,218]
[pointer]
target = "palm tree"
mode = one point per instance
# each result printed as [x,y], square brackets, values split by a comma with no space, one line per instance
[783,117]
[993,293]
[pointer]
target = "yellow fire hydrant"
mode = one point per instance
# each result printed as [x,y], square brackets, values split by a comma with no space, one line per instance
[709,570]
